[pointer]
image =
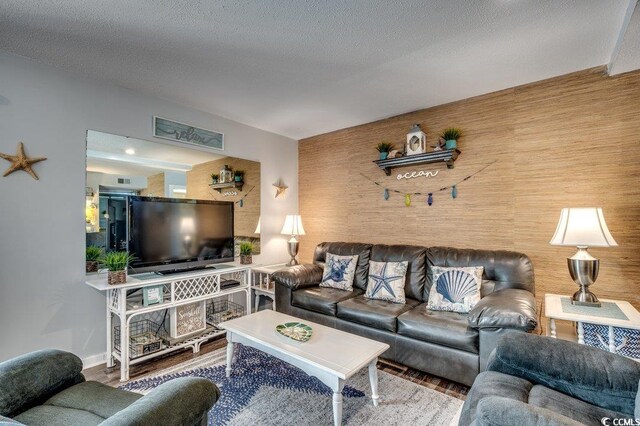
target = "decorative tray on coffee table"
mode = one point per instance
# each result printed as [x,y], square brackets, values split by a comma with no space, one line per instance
[295,330]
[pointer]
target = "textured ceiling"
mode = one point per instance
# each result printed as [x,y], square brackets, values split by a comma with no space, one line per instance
[300,68]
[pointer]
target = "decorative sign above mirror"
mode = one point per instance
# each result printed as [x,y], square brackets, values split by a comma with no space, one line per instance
[181,132]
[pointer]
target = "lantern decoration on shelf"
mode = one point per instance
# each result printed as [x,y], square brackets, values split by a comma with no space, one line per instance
[226,175]
[416,141]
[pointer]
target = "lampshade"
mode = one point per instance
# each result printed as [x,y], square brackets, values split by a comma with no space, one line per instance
[582,227]
[257,231]
[293,225]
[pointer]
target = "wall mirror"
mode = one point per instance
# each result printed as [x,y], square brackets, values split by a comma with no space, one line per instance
[121,169]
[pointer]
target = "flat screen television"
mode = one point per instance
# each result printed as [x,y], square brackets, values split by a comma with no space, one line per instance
[173,235]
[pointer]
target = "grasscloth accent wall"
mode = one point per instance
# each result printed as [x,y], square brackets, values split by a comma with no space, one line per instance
[570,141]
[245,217]
[155,186]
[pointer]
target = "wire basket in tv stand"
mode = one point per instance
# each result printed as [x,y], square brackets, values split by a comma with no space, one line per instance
[179,289]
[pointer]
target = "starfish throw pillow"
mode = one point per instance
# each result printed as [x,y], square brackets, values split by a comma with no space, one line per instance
[455,289]
[339,271]
[386,281]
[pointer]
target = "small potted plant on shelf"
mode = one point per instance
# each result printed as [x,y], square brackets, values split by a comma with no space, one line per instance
[238,175]
[246,249]
[214,178]
[384,148]
[451,136]
[92,254]
[116,263]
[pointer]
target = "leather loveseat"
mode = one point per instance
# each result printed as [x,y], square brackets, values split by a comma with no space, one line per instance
[447,344]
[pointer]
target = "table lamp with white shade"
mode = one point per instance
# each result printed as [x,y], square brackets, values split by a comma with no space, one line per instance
[293,226]
[583,228]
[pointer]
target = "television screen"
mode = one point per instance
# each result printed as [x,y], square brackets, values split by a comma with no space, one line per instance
[174,234]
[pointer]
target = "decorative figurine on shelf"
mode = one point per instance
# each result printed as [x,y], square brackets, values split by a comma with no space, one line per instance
[416,141]
[394,153]
[451,136]
[384,148]
[239,176]
[439,146]
[226,175]
[214,178]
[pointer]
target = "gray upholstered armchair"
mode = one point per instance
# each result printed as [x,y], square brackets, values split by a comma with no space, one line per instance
[47,388]
[543,381]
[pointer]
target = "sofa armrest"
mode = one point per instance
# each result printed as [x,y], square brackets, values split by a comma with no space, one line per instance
[598,377]
[508,308]
[299,276]
[499,411]
[31,379]
[181,401]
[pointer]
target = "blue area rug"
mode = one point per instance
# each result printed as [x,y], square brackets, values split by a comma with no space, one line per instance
[263,390]
[252,369]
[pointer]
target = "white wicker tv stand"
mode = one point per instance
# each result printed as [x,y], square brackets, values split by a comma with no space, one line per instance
[179,289]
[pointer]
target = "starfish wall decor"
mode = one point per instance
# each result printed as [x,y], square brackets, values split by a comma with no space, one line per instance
[21,162]
[281,188]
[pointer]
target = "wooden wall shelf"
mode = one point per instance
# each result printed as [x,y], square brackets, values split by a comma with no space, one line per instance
[447,156]
[228,185]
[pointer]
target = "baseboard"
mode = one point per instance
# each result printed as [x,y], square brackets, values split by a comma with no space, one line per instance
[93,360]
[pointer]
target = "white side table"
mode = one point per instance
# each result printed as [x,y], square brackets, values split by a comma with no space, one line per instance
[553,308]
[263,284]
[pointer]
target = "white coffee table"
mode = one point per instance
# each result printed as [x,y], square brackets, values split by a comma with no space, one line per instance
[331,355]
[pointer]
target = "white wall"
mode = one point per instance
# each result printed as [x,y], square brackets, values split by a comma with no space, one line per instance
[43,301]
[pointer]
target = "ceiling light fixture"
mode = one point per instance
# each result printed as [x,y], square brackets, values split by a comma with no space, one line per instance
[130,151]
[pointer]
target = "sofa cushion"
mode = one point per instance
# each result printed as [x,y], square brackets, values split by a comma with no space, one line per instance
[322,299]
[386,281]
[542,396]
[99,399]
[491,383]
[374,313]
[347,249]
[416,269]
[339,271]
[502,269]
[51,415]
[439,327]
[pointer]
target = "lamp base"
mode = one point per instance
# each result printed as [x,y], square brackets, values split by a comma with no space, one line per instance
[292,246]
[584,297]
[584,270]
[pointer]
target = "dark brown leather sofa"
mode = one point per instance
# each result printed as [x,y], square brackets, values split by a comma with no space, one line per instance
[447,344]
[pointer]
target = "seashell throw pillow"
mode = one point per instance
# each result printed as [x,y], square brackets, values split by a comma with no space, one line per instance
[455,289]
[386,281]
[339,271]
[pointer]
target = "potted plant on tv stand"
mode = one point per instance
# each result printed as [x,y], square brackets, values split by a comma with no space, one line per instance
[116,263]
[92,254]
[246,249]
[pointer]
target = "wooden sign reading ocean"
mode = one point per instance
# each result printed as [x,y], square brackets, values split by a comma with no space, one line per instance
[175,131]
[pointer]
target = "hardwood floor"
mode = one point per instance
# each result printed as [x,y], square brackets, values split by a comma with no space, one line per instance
[111,376]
